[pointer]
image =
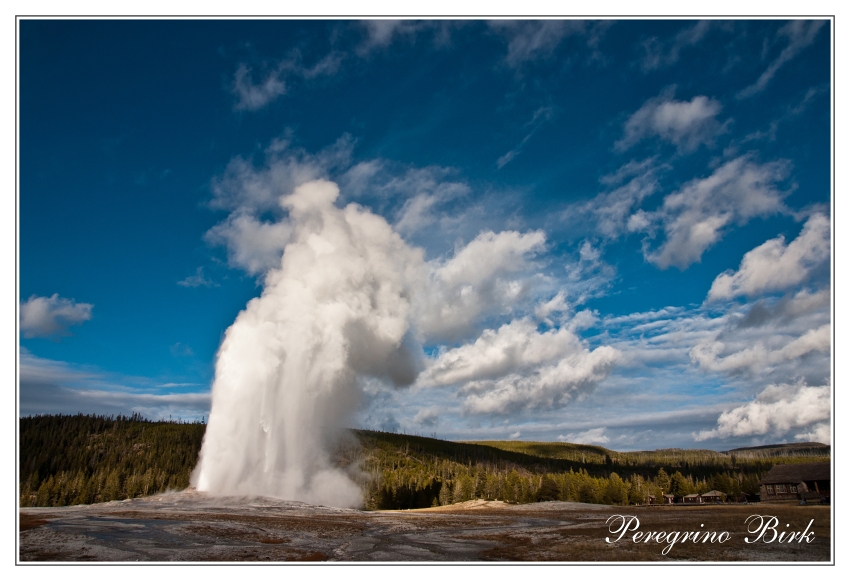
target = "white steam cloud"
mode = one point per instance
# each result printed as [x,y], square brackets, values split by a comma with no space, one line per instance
[346,306]
[287,376]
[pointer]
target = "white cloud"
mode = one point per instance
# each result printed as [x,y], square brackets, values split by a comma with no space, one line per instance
[515,347]
[695,216]
[817,433]
[764,354]
[610,213]
[51,316]
[556,304]
[253,96]
[426,189]
[197,279]
[492,274]
[777,410]
[800,34]
[686,124]
[776,266]
[429,416]
[592,436]
[516,367]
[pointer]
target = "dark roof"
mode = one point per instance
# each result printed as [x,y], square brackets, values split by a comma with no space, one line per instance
[794,473]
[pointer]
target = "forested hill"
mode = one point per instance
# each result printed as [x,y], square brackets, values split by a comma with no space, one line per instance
[84,459]
[584,453]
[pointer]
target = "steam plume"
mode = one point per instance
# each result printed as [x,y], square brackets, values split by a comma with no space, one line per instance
[337,309]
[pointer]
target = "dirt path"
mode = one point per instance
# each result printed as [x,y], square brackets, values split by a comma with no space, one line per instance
[196,527]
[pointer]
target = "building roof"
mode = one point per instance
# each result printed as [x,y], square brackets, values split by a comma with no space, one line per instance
[794,473]
[714,493]
[691,495]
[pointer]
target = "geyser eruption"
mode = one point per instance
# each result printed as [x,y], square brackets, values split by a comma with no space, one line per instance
[287,372]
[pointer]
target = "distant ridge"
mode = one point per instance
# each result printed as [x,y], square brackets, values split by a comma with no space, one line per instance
[811,449]
[785,446]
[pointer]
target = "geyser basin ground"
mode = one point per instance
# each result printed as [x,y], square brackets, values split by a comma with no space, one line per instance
[192,526]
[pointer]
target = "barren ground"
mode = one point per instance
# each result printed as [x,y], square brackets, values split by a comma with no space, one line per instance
[190,526]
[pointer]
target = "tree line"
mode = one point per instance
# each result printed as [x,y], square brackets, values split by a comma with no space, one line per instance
[84,459]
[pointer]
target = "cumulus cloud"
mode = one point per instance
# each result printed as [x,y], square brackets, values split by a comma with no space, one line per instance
[490,275]
[516,367]
[799,34]
[778,410]
[592,436]
[817,433]
[775,265]
[685,124]
[51,316]
[694,217]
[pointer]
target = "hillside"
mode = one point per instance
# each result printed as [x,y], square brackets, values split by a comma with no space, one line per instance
[669,457]
[85,459]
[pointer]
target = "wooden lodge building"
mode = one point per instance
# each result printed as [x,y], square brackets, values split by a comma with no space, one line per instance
[809,481]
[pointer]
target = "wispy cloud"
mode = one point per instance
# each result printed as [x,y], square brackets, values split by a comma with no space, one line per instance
[51,316]
[685,124]
[664,53]
[530,40]
[55,387]
[252,95]
[197,279]
[541,116]
[592,436]
[694,217]
[799,35]
[608,213]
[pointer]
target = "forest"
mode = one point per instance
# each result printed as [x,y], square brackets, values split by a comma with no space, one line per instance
[84,459]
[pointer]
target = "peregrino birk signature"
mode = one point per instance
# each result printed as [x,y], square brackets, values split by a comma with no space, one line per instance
[765,528]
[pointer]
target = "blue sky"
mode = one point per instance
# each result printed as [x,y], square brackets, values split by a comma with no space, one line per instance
[629,221]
